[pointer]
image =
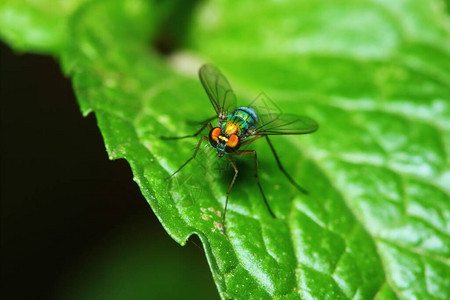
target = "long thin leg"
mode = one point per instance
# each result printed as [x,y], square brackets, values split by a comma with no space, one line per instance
[202,122]
[283,170]
[251,140]
[186,136]
[243,152]
[236,171]
[192,157]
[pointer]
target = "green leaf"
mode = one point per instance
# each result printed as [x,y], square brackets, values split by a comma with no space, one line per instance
[374,74]
[39,26]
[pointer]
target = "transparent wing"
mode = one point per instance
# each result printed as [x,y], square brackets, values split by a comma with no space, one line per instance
[218,89]
[272,121]
[278,124]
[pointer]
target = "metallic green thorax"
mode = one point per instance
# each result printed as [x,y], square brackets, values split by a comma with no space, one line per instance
[240,121]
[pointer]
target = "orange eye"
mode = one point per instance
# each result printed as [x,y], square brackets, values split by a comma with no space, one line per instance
[233,141]
[214,134]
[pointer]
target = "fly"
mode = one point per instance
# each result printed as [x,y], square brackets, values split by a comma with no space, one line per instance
[240,126]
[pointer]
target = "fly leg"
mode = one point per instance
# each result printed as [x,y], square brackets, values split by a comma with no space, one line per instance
[283,170]
[191,122]
[236,171]
[187,136]
[244,152]
[191,158]
[251,140]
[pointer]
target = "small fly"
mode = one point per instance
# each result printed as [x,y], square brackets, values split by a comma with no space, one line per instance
[240,126]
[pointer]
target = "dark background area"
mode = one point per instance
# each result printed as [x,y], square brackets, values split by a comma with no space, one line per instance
[64,205]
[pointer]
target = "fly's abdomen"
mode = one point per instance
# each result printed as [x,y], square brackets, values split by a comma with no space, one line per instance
[240,121]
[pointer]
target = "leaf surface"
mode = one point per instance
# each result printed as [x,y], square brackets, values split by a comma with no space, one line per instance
[376,221]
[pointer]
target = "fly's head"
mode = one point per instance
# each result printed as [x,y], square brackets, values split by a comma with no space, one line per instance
[224,143]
